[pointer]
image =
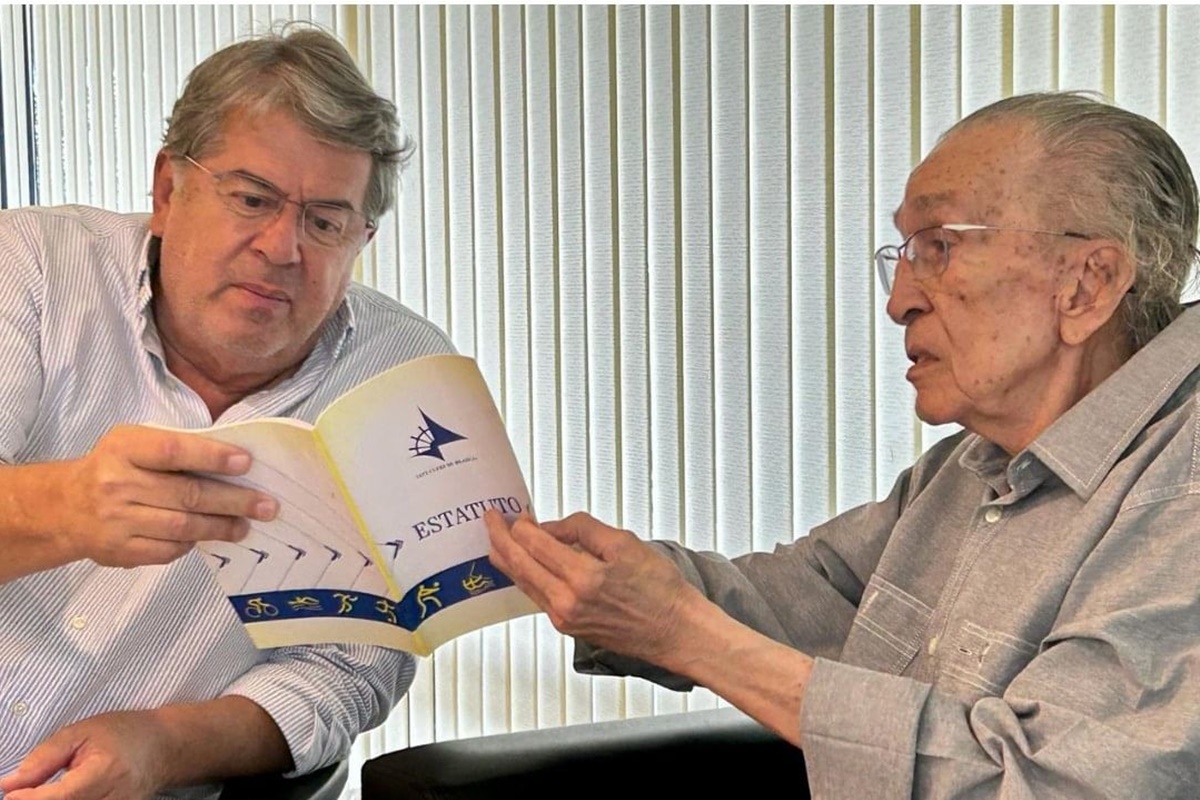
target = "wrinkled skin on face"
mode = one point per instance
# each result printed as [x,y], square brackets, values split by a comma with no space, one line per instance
[996,340]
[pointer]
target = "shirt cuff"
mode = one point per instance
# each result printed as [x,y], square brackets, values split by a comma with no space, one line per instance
[590,660]
[321,707]
[859,732]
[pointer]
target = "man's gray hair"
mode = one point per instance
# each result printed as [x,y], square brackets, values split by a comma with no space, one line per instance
[1118,175]
[306,72]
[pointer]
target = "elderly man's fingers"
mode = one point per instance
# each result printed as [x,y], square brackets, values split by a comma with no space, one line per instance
[565,561]
[606,543]
[511,558]
[501,539]
[565,530]
[588,533]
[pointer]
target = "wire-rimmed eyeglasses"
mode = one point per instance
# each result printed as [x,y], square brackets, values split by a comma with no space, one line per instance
[928,250]
[323,224]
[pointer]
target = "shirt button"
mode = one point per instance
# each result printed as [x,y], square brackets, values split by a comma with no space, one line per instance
[992,515]
[933,643]
[19,708]
[79,622]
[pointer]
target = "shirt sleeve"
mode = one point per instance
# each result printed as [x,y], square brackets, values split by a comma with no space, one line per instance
[22,294]
[323,696]
[1106,708]
[804,594]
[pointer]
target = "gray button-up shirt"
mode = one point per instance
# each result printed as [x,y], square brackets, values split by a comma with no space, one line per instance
[1003,627]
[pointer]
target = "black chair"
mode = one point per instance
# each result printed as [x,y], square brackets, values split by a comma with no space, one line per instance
[323,784]
[684,751]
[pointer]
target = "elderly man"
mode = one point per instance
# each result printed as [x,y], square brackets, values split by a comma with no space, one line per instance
[122,666]
[1020,617]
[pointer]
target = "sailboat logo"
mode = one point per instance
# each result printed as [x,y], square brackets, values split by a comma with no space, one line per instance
[432,437]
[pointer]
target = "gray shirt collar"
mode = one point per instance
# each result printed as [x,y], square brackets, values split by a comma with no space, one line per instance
[1083,444]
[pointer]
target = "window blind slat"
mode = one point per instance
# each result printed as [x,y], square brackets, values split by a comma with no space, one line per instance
[812,262]
[663,276]
[1138,59]
[1035,66]
[603,299]
[983,55]
[635,451]
[730,278]
[853,318]
[769,299]
[571,692]
[895,145]
[548,657]
[433,157]
[1084,43]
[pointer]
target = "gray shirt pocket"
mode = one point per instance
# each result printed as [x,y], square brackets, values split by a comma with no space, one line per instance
[982,660]
[888,629]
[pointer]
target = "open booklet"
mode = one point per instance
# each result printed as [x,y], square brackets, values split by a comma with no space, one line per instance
[380,537]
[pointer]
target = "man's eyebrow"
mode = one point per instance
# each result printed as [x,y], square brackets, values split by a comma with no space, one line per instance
[923,204]
[266,184]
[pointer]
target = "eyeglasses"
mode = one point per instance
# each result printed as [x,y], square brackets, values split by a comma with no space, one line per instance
[928,250]
[323,224]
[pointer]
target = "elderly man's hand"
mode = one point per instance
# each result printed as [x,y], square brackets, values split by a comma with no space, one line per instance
[115,756]
[136,499]
[596,582]
[609,588]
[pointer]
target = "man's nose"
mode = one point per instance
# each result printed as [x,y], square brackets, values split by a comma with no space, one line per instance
[279,238]
[908,299]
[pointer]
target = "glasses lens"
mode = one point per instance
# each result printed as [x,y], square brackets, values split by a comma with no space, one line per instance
[247,198]
[330,225]
[926,252]
[886,259]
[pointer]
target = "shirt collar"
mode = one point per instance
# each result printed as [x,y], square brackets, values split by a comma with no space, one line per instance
[1083,444]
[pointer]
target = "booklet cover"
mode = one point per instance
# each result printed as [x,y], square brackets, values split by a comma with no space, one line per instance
[380,537]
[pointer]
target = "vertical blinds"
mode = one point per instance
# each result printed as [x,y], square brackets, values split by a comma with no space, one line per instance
[652,226]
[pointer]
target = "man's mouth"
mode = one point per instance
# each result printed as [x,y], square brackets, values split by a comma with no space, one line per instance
[920,357]
[265,292]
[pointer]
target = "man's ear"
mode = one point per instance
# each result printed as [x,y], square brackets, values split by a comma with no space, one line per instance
[164,187]
[1093,293]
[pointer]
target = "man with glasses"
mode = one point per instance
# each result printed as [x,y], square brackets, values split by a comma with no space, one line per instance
[1020,616]
[124,672]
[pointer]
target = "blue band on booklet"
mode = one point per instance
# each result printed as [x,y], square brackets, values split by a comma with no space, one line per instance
[435,593]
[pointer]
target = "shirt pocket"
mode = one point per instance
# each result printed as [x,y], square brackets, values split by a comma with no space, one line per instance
[985,660]
[888,629]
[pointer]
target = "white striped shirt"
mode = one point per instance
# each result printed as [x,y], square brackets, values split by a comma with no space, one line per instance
[79,353]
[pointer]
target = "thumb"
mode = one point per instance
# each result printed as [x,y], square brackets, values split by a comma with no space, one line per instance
[42,763]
